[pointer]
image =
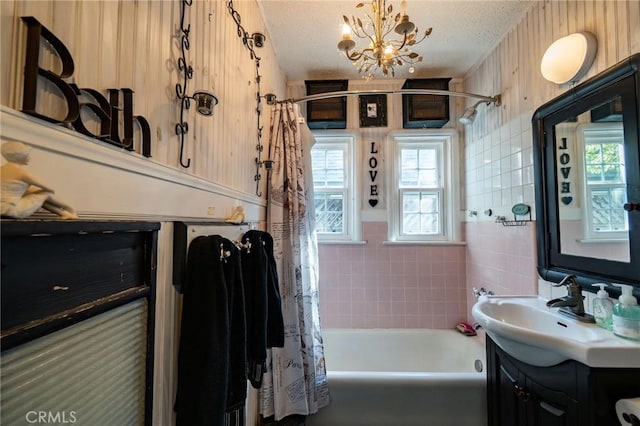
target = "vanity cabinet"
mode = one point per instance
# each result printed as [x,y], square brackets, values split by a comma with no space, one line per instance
[567,394]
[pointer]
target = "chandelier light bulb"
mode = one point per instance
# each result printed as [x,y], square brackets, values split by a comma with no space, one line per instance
[380,22]
[346,32]
[388,52]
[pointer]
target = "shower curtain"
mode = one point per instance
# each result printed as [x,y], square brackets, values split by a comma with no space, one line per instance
[295,381]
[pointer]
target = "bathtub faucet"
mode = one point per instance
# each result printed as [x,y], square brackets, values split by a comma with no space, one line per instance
[573,301]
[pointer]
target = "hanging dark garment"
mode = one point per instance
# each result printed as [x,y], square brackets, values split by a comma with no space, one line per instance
[211,359]
[275,322]
[265,327]
[237,392]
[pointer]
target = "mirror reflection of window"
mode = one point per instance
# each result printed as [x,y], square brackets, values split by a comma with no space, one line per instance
[605,184]
[592,184]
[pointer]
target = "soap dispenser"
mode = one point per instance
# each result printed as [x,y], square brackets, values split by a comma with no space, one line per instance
[603,308]
[626,314]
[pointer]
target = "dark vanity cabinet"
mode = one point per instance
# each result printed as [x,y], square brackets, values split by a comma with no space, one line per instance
[567,394]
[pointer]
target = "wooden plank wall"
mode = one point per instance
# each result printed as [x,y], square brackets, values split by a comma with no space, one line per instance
[135,44]
[513,67]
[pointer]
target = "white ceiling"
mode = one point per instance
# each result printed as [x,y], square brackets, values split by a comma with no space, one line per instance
[305,34]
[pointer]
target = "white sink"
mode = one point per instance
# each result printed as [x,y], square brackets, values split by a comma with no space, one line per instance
[528,330]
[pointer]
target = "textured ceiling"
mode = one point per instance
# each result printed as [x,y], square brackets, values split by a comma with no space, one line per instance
[305,34]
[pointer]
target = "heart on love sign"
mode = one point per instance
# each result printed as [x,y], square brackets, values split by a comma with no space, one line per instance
[567,200]
[373,202]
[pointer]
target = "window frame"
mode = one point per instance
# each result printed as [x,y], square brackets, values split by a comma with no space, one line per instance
[449,188]
[351,219]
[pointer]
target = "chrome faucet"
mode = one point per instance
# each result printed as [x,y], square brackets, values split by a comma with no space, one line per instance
[572,304]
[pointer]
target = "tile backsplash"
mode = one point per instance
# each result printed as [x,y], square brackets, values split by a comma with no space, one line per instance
[391,286]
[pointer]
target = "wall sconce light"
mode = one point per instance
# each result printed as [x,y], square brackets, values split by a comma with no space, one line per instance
[205,101]
[569,58]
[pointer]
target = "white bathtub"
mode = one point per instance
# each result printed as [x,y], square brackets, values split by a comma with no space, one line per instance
[403,377]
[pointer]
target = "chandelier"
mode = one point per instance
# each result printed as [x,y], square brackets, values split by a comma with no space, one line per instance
[381,54]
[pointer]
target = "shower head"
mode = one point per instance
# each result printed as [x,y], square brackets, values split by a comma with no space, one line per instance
[469,114]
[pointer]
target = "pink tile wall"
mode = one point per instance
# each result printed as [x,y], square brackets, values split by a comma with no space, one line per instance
[383,286]
[500,258]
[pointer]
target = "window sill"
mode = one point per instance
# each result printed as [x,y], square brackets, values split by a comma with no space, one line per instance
[342,243]
[424,243]
[604,240]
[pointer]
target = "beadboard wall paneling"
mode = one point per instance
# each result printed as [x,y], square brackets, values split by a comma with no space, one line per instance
[498,146]
[136,44]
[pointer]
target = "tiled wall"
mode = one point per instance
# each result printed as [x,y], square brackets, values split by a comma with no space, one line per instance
[501,258]
[390,286]
[499,174]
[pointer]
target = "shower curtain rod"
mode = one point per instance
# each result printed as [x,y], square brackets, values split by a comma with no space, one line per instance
[496,100]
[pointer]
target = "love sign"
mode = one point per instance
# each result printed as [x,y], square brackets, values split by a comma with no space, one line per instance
[565,172]
[373,175]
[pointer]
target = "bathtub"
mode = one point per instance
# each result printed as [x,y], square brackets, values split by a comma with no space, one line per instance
[403,377]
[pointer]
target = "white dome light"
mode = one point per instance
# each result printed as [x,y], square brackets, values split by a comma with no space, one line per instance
[569,58]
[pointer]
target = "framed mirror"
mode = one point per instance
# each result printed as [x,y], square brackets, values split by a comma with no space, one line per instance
[587,166]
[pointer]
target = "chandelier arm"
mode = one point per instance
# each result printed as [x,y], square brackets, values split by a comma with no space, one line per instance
[496,100]
[353,56]
[404,41]
[363,33]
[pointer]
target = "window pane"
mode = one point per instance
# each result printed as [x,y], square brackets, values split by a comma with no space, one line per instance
[335,178]
[328,167]
[607,216]
[420,212]
[329,212]
[409,167]
[419,167]
[411,203]
[428,178]
[604,162]
[429,223]
[428,159]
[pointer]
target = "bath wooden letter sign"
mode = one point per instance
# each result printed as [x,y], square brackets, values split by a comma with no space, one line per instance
[565,170]
[106,111]
[374,189]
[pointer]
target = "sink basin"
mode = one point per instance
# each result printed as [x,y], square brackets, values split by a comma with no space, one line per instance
[525,328]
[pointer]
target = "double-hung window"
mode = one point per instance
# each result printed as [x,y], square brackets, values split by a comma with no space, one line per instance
[423,196]
[604,182]
[334,189]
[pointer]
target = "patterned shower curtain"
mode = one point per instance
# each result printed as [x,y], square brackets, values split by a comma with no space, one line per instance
[295,381]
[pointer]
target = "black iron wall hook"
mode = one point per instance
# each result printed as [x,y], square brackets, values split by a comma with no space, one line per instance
[251,42]
[205,101]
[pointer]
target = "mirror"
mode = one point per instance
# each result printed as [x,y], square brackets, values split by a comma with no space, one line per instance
[586,144]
